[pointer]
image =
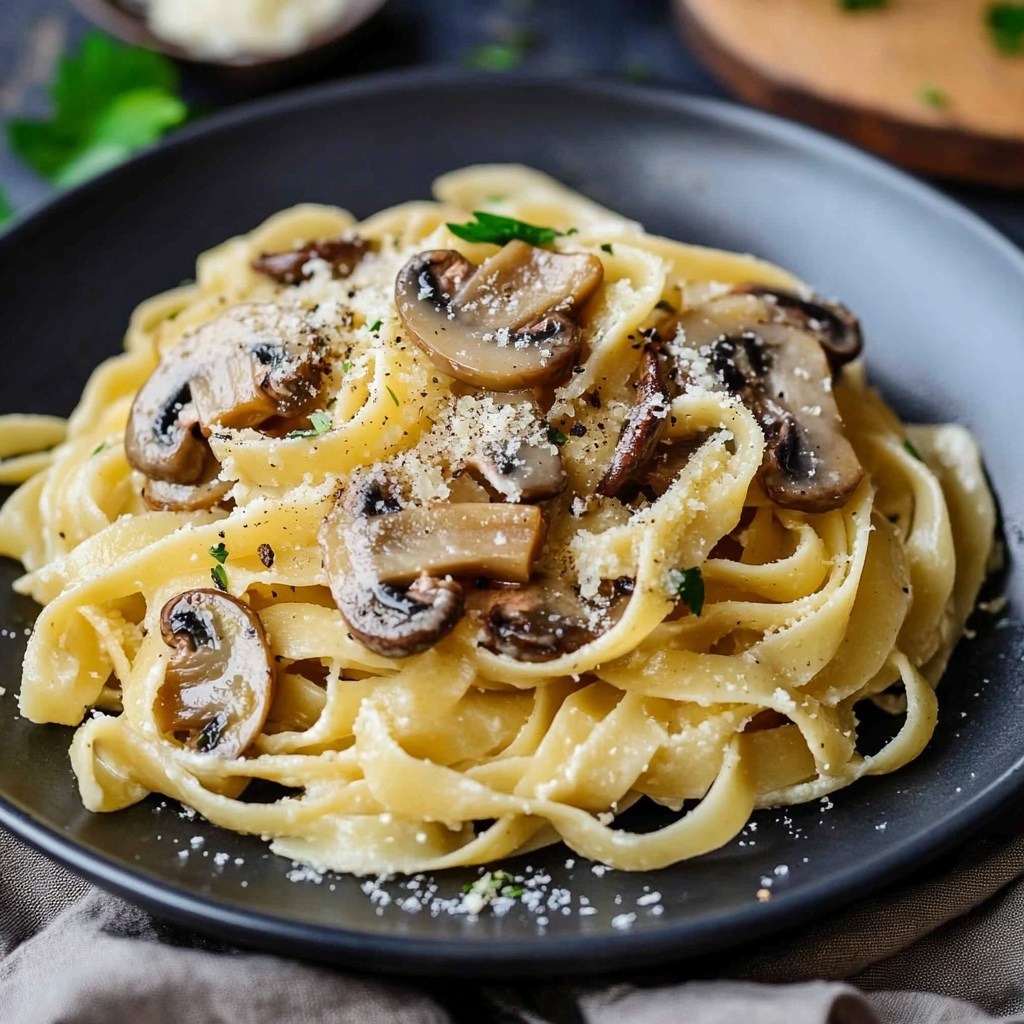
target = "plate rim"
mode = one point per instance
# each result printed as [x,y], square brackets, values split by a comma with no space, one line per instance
[530,953]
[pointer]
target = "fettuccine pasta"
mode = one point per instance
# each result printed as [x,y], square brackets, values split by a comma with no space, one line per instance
[468,538]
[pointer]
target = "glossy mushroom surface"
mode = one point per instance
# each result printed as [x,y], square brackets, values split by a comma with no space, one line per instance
[219,682]
[293,266]
[506,325]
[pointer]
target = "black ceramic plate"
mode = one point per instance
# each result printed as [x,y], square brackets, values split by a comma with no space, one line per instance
[940,295]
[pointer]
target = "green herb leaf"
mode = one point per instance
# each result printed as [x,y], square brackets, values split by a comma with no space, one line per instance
[687,585]
[1006,25]
[346,367]
[493,228]
[512,892]
[555,436]
[908,445]
[394,397]
[494,57]
[220,577]
[375,326]
[6,210]
[933,96]
[607,247]
[319,423]
[219,552]
[109,100]
[99,448]
[861,5]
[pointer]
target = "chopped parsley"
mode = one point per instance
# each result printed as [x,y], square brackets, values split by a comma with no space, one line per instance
[494,57]
[219,576]
[108,100]
[934,97]
[1006,25]
[687,585]
[319,423]
[861,5]
[555,436]
[909,446]
[494,883]
[493,228]
[607,247]
[99,447]
[346,367]
[375,326]
[219,552]
[394,397]
[6,210]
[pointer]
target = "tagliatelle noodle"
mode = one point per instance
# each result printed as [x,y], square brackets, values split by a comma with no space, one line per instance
[459,755]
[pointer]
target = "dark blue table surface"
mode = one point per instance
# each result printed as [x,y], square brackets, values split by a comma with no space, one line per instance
[633,39]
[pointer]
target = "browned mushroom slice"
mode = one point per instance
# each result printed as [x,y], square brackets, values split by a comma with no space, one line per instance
[781,374]
[371,551]
[537,623]
[255,361]
[219,682]
[831,323]
[505,325]
[343,255]
[209,490]
[643,428]
[520,469]
[162,438]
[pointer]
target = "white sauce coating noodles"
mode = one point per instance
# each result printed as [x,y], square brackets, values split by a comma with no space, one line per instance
[464,753]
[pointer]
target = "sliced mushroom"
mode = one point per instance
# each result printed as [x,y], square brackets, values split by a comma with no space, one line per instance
[293,266]
[834,326]
[521,469]
[505,325]
[219,682]
[253,362]
[371,551]
[781,374]
[643,428]
[162,438]
[544,620]
[209,490]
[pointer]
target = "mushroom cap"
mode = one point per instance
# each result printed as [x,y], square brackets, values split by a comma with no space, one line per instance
[781,374]
[505,325]
[219,682]
[292,266]
[537,623]
[643,428]
[252,362]
[834,326]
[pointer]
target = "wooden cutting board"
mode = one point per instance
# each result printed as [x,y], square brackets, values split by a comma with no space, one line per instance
[919,81]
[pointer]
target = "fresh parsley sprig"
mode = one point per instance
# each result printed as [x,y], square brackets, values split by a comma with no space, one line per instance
[498,230]
[319,423]
[1006,26]
[109,100]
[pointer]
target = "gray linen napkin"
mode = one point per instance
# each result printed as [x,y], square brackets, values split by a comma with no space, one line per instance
[71,954]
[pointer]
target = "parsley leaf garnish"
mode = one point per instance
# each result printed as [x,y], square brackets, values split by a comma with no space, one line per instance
[394,397]
[220,577]
[555,436]
[909,446]
[1006,24]
[375,326]
[319,423]
[6,210]
[109,100]
[607,247]
[219,552]
[346,366]
[491,227]
[687,585]
[861,5]
[99,448]
[933,96]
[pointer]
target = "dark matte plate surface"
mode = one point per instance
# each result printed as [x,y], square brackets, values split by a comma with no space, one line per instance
[942,299]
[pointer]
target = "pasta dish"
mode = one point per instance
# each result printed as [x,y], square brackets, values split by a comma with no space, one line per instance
[462,528]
